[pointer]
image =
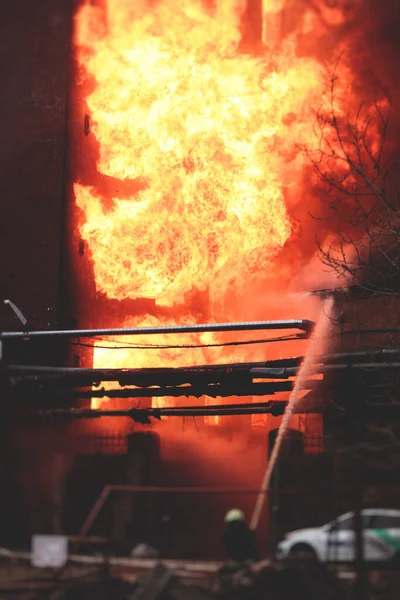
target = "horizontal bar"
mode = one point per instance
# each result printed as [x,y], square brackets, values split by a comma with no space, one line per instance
[114,374]
[203,490]
[245,389]
[185,568]
[262,373]
[281,364]
[302,324]
[138,414]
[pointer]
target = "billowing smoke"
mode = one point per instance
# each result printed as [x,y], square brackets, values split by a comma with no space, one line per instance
[358,43]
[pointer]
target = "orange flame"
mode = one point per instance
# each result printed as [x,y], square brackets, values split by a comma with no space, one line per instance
[207,135]
[210,133]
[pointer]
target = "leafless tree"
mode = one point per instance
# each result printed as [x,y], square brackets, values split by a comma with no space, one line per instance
[352,164]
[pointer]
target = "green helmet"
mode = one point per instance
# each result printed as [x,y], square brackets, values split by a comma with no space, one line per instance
[234,515]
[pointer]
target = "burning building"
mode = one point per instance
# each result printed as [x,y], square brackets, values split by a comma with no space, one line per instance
[190,193]
[191,114]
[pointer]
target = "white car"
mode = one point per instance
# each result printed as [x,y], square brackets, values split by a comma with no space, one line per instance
[335,541]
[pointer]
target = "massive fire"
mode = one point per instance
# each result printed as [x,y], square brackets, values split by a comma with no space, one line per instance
[208,135]
[212,135]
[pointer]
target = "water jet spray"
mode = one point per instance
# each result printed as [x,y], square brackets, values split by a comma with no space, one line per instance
[318,334]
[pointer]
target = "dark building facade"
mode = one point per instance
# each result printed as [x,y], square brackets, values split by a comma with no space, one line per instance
[35,57]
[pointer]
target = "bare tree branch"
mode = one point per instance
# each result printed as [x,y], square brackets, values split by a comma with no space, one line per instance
[350,161]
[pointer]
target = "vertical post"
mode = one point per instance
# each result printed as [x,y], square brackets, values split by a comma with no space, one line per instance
[58,464]
[272,499]
[273,511]
[360,588]
[166,526]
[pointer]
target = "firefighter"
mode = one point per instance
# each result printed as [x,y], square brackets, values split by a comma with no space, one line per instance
[238,539]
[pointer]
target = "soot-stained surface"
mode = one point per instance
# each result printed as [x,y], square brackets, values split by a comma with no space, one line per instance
[34,59]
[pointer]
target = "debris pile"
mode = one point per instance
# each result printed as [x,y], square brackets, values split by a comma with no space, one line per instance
[264,580]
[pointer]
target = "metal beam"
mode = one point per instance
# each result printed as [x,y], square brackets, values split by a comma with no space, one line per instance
[144,415]
[303,324]
[275,408]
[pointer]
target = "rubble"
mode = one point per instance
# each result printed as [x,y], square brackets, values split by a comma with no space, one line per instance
[264,580]
[98,578]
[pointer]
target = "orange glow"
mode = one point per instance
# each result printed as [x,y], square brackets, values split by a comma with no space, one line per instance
[210,133]
[207,138]
[165,357]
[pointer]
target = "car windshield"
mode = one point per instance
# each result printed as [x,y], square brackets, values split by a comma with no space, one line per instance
[342,522]
[370,520]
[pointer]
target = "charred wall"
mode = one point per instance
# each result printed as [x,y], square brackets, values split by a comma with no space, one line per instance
[34,63]
[34,60]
